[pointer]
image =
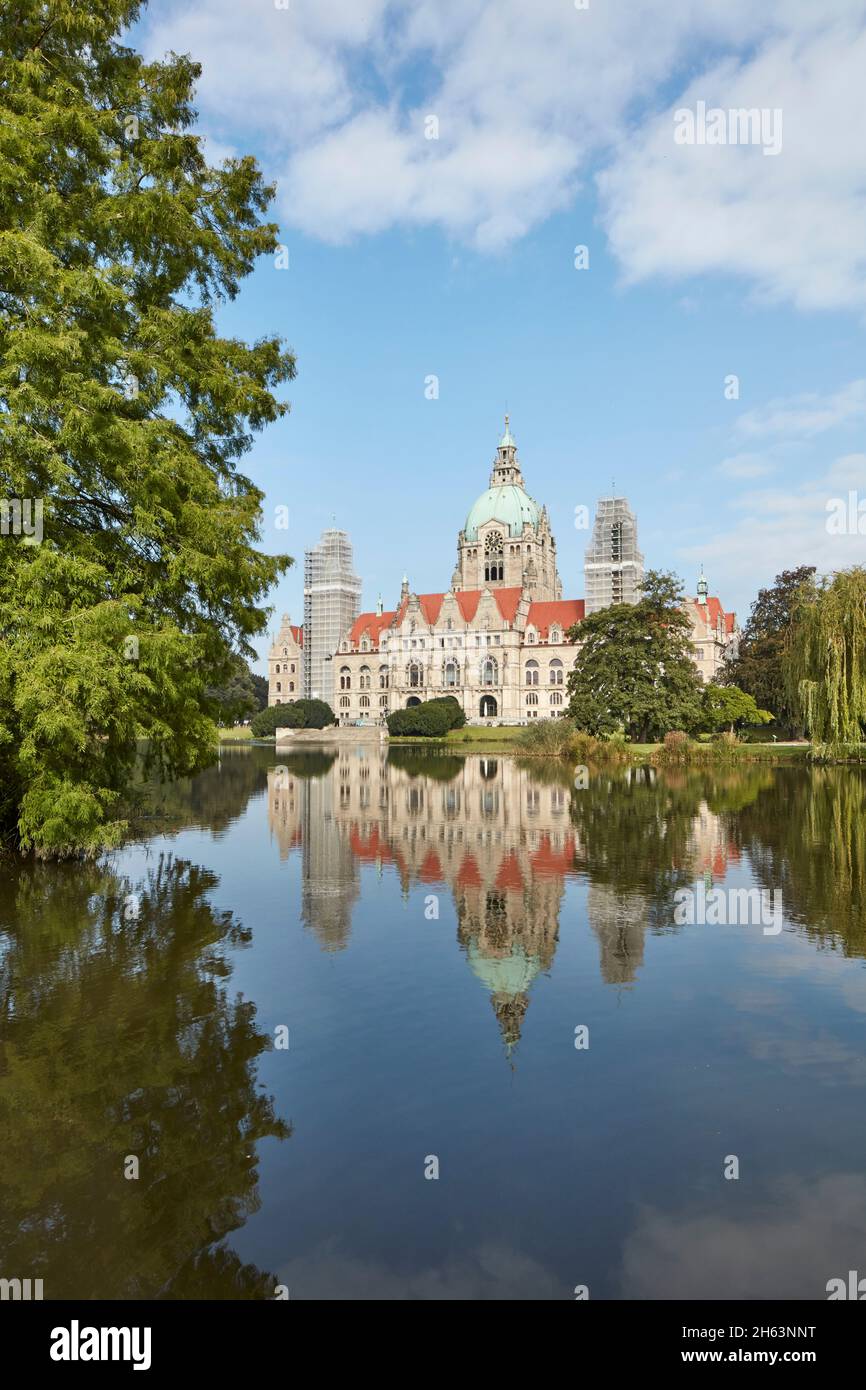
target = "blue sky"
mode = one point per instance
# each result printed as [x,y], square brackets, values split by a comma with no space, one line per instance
[411,257]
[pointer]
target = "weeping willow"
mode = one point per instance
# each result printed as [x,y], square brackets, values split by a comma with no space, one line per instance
[825,659]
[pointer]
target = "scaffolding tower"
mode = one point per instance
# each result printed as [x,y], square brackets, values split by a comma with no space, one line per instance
[332,599]
[613,566]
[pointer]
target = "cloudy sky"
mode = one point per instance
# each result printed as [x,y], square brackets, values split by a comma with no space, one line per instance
[437,163]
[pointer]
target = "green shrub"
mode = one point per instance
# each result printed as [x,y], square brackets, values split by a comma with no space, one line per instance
[551,737]
[432,719]
[295,714]
[454,708]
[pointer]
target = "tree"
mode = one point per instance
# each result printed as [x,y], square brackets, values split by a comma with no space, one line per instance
[824,663]
[430,719]
[727,707]
[237,699]
[294,714]
[634,670]
[123,415]
[757,669]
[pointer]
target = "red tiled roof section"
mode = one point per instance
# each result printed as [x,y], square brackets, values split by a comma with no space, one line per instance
[563,612]
[298,634]
[371,624]
[712,611]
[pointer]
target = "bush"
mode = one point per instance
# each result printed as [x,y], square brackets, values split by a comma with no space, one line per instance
[454,707]
[296,714]
[432,719]
[551,737]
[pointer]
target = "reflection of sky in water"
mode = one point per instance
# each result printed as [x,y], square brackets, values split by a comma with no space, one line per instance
[451,1032]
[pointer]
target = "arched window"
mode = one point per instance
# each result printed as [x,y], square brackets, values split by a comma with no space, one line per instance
[364,702]
[277,669]
[555,634]
[383,701]
[556,672]
[279,685]
[383,677]
[452,673]
[532,673]
[532,698]
[345,678]
[344,702]
[556,697]
[415,674]
[489,671]
[364,679]
[531,636]
[291,686]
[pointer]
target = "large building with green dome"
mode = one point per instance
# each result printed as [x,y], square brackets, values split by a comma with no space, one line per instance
[498,638]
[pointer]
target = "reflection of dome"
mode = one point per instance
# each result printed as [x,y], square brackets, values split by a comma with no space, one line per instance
[508,503]
[508,979]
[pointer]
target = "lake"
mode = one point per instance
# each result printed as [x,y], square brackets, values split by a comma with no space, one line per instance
[420,1026]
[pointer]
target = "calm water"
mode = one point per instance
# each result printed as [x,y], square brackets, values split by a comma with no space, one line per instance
[431,931]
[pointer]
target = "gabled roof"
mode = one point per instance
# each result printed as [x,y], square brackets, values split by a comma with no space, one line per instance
[565,612]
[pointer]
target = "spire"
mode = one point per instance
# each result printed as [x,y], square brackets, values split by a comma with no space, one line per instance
[379,607]
[506,469]
[507,441]
[703,587]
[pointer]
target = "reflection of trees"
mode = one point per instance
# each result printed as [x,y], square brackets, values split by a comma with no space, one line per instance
[807,836]
[119,1037]
[213,799]
[427,763]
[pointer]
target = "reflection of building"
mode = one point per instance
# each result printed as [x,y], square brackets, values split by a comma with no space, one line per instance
[502,842]
[285,664]
[613,565]
[301,815]
[715,634]
[332,596]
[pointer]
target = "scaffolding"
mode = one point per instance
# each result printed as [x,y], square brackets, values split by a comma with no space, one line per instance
[332,599]
[613,566]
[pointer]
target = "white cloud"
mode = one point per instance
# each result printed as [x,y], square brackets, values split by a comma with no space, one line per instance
[806,415]
[746,466]
[784,526]
[530,99]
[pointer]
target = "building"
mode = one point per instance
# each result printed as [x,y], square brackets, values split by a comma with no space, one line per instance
[286,664]
[332,597]
[498,639]
[715,633]
[613,566]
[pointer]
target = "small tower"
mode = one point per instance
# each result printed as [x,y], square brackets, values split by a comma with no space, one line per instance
[285,664]
[506,468]
[703,587]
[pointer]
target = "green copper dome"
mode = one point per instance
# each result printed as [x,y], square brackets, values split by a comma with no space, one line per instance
[508,504]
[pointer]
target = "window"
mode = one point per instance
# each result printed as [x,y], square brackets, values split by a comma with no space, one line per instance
[291,686]
[344,702]
[555,635]
[345,678]
[279,686]
[383,701]
[364,702]
[556,697]
[452,673]
[364,678]
[489,671]
[532,673]
[556,672]
[415,674]
[532,698]
[531,636]
[383,677]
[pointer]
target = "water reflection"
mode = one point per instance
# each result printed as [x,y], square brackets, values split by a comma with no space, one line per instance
[119,1039]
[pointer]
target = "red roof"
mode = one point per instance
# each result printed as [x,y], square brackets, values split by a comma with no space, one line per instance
[712,612]
[298,634]
[565,612]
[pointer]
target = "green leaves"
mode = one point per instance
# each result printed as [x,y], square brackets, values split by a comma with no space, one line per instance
[634,671]
[124,410]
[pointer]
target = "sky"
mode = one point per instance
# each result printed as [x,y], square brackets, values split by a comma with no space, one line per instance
[437,165]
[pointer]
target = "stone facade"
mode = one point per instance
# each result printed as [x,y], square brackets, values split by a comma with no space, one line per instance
[715,633]
[497,639]
[286,664]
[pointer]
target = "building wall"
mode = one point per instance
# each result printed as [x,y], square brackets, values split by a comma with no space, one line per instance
[285,665]
[332,596]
